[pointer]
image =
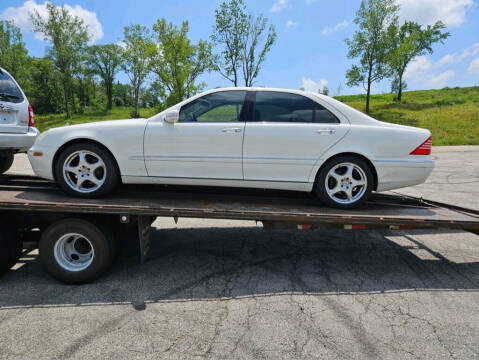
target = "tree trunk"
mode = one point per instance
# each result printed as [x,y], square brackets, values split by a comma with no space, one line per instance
[72,95]
[368,95]
[65,94]
[109,105]
[137,92]
[400,88]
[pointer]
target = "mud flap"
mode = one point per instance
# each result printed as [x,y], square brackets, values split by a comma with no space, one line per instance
[144,235]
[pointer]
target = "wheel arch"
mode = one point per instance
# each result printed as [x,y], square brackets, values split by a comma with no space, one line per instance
[362,157]
[78,141]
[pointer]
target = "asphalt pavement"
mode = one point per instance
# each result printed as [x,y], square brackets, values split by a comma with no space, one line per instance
[230,290]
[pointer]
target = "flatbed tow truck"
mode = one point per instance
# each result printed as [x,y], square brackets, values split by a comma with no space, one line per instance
[32,206]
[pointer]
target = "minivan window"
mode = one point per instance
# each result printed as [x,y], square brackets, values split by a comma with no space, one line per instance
[272,106]
[223,106]
[9,91]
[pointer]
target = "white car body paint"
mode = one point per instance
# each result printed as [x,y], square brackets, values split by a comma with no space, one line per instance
[258,155]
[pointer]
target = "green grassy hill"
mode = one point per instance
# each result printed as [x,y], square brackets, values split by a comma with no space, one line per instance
[452,115]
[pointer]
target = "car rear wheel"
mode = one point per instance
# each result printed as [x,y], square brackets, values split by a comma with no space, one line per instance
[6,162]
[344,182]
[76,251]
[87,170]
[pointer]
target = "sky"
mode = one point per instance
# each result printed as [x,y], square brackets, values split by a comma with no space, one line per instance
[310,51]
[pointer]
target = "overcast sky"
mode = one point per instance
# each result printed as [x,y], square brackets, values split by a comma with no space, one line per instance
[310,50]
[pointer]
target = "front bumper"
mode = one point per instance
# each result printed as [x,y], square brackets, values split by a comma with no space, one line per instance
[18,142]
[42,165]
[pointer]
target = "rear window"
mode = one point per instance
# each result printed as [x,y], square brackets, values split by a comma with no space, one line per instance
[9,91]
[272,106]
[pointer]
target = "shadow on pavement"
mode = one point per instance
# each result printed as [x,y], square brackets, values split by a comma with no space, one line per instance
[220,263]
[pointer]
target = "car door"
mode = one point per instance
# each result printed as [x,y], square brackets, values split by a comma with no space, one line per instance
[286,135]
[206,142]
[13,106]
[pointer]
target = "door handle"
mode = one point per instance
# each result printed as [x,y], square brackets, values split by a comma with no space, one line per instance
[231,130]
[326,131]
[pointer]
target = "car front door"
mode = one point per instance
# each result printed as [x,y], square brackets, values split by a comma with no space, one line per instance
[286,135]
[206,142]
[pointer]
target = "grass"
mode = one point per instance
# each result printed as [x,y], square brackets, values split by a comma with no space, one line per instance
[48,121]
[451,114]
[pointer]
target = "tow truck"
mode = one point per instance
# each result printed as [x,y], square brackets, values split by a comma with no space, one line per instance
[32,208]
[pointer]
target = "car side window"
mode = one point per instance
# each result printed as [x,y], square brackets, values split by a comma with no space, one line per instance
[223,106]
[274,106]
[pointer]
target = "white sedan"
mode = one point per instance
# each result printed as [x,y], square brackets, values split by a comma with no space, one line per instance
[241,137]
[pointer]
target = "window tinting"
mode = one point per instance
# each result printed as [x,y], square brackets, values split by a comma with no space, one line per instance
[9,91]
[285,107]
[224,106]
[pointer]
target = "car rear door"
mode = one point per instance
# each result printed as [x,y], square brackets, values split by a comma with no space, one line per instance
[13,106]
[286,135]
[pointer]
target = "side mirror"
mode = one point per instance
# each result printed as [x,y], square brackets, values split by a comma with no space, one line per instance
[172,116]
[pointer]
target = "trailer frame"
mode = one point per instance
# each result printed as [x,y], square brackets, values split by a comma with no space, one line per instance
[27,202]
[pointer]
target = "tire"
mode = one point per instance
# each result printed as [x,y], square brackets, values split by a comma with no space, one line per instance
[10,248]
[337,197]
[6,162]
[76,251]
[106,174]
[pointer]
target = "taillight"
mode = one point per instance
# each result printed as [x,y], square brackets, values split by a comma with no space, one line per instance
[424,148]
[31,117]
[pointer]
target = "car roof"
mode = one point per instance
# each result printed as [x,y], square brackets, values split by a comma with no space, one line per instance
[260,88]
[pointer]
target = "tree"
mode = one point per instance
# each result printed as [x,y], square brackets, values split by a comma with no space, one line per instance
[231,24]
[44,86]
[253,50]
[370,44]
[105,61]
[137,55]
[178,62]
[68,35]
[13,53]
[408,41]
[325,91]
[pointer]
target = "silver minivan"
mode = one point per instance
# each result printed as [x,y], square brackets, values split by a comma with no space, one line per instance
[17,123]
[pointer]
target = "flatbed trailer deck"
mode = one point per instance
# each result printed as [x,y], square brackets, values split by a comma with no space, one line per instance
[29,202]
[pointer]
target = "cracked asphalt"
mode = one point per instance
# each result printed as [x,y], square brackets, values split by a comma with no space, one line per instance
[230,290]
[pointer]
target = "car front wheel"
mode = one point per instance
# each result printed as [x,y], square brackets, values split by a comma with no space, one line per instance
[344,182]
[87,170]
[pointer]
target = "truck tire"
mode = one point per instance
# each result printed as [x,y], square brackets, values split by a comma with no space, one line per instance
[76,251]
[6,162]
[10,248]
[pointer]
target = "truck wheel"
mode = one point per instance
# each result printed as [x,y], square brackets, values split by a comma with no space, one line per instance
[344,182]
[11,248]
[87,170]
[76,251]
[6,162]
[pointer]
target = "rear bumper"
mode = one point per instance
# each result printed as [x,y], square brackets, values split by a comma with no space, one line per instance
[18,142]
[395,174]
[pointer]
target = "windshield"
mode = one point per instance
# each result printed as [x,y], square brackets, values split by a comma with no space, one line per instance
[9,91]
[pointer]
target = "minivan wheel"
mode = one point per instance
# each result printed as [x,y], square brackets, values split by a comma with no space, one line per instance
[6,162]
[87,170]
[344,182]
[76,251]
